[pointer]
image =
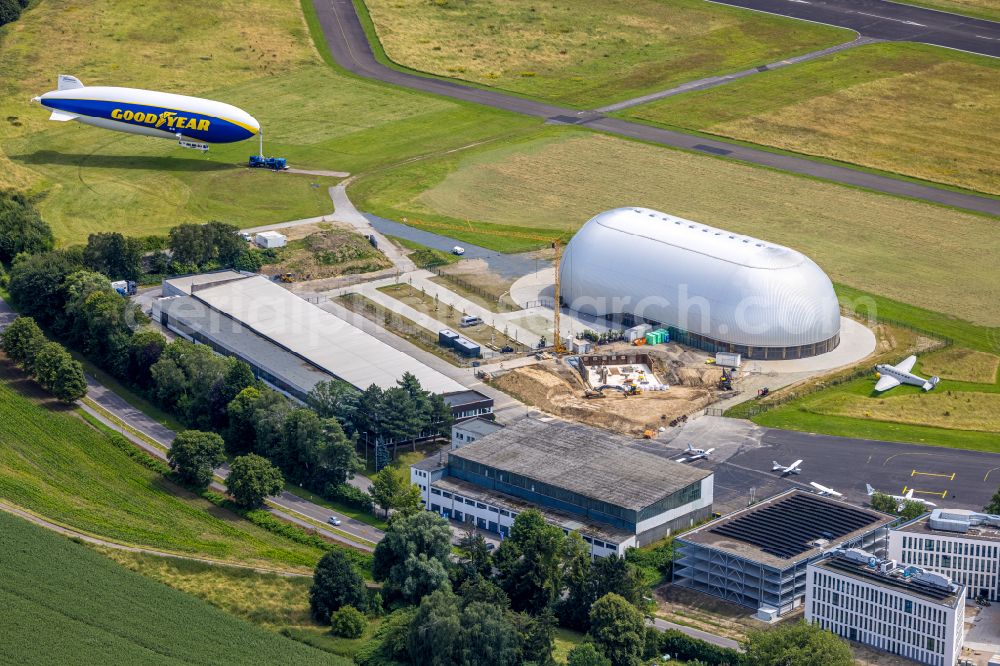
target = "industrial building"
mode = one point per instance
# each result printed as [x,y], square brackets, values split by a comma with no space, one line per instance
[907,611]
[757,556]
[709,288]
[581,479]
[291,343]
[469,430]
[963,545]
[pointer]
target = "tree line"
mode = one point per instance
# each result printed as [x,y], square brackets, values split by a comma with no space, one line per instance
[46,362]
[503,607]
[10,10]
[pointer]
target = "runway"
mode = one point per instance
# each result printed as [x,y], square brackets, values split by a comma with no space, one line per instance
[348,44]
[893,21]
[742,461]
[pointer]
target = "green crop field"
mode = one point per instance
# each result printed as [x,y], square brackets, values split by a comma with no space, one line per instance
[62,603]
[257,55]
[913,109]
[586,52]
[56,465]
[555,180]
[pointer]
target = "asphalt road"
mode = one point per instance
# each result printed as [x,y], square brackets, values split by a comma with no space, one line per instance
[349,47]
[890,21]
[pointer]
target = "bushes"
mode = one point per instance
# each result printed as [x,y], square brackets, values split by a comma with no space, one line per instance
[348,622]
[347,494]
[21,227]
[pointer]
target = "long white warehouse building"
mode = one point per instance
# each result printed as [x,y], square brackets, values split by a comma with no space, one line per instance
[713,289]
[307,343]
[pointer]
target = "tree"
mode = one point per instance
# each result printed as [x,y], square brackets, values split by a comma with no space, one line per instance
[618,630]
[302,445]
[335,399]
[530,562]
[21,227]
[574,609]
[249,261]
[144,349]
[348,622]
[436,631]
[336,584]
[585,654]
[10,10]
[489,636]
[911,509]
[440,416]
[797,643]
[58,373]
[226,243]
[22,341]
[994,506]
[36,284]
[253,478]
[194,455]
[401,418]
[116,256]
[539,636]
[338,459]
[884,503]
[98,320]
[389,644]
[185,379]
[407,537]
[418,576]
[475,560]
[391,490]
[241,434]
[368,414]
[614,574]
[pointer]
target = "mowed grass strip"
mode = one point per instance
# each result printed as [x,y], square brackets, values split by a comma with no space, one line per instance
[559,178]
[913,109]
[60,602]
[56,465]
[586,52]
[94,180]
[964,410]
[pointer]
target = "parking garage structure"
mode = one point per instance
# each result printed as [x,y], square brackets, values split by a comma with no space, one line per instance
[757,556]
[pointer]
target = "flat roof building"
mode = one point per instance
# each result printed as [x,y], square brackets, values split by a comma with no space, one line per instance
[315,336]
[577,475]
[184,285]
[469,430]
[757,556]
[963,545]
[905,611]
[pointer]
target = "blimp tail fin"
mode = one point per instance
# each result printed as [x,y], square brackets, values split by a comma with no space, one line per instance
[67,82]
[62,116]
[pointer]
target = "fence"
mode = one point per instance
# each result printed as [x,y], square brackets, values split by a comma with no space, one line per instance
[490,296]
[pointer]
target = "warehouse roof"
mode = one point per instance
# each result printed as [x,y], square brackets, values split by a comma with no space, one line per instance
[194,318]
[584,460]
[787,528]
[322,338]
[187,283]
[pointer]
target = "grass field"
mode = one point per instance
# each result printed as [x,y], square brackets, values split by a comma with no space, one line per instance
[56,465]
[586,52]
[257,55]
[913,109]
[72,605]
[962,364]
[558,178]
[316,251]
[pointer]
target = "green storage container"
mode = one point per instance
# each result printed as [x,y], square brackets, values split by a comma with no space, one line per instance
[650,338]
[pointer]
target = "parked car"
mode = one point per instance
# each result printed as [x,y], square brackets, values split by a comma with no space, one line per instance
[333,520]
[458,250]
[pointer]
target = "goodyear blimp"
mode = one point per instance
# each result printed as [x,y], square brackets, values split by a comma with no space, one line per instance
[192,121]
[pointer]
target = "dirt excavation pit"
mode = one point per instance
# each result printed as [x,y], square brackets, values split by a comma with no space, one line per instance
[558,388]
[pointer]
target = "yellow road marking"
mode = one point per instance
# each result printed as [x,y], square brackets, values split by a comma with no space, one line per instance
[950,477]
[943,493]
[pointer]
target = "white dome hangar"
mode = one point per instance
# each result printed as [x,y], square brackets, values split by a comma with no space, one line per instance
[713,289]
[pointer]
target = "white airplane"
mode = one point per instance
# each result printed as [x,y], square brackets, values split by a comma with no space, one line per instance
[891,376]
[902,499]
[790,469]
[823,490]
[697,454]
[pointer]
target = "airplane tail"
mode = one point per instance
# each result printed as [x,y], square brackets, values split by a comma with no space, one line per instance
[909,494]
[690,448]
[67,82]
[871,491]
[776,465]
[933,381]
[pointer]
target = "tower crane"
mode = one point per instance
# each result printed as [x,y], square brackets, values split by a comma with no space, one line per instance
[555,242]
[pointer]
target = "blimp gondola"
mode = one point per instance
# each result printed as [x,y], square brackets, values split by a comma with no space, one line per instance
[191,121]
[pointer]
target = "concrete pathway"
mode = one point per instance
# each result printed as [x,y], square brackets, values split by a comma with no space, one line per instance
[713,81]
[285,225]
[344,211]
[721,641]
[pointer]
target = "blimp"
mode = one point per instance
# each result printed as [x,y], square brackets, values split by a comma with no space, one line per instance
[191,121]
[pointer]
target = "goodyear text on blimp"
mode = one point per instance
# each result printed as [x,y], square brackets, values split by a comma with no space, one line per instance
[168,118]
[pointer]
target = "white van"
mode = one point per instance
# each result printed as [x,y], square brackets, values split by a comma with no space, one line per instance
[458,250]
[470,320]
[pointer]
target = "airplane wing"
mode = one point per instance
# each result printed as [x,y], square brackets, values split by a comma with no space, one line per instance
[824,490]
[886,382]
[794,465]
[907,364]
